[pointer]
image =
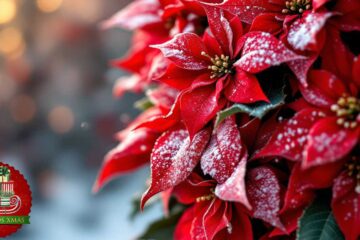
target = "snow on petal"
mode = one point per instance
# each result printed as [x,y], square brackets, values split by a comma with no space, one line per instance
[303,31]
[290,138]
[223,153]
[346,206]
[264,192]
[132,153]
[136,15]
[173,159]
[247,10]
[184,50]
[220,28]
[233,189]
[328,142]
[261,51]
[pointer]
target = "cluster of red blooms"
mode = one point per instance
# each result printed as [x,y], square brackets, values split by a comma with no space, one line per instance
[253,109]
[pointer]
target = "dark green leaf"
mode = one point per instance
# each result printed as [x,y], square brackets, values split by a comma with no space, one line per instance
[318,223]
[163,228]
[274,92]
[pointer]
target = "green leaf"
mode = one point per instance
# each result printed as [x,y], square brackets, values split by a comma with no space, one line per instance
[274,91]
[143,104]
[163,228]
[318,223]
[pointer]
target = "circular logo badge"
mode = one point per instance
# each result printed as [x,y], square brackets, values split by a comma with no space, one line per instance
[15,200]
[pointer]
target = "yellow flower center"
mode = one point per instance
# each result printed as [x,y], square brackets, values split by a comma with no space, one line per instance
[206,197]
[296,6]
[220,65]
[353,169]
[347,109]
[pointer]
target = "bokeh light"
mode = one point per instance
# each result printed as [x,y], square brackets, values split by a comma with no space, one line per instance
[7,11]
[22,108]
[11,41]
[61,119]
[48,6]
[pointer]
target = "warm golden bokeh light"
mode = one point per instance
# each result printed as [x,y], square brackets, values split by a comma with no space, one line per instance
[11,41]
[7,11]
[61,119]
[22,108]
[48,5]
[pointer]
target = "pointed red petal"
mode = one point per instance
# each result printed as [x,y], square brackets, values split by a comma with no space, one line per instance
[289,139]
[264,191]
[173,159]
[301,67]
[247,10]
[262,50]
[233,189]
[224,151]
[136,15]
[210,218]
[324,88]
[303,32]
[185,51]
[183,227]
[132,153]
[244,88]
[266,22]
[200,105]
[220,28]
[328,142]
[346,206]
[177,77]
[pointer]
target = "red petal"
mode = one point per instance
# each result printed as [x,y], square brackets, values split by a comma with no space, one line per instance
[324,89]
[163,96]
[247,10]
[289,139]
[328,142]
[301,67]
[184,225]
[266,22]
[134,83]
[303,32]
[210,218]
[173,159]
[136,15]
[244,88]
[261,51]
[185,51]
[224,151]
[346,206]
[220,28]
[356,71]
[241,225]
[200,105]
[233,189]
[177,77]
[194,187]
[336,57]
[132,153]
[264,190]
[163,123]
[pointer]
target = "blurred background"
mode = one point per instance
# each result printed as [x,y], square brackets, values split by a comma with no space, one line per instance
[58,116]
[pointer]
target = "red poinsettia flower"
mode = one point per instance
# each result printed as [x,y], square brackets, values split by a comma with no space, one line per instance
[300,23]
[211,72]
[344,178]
[213,214]
[155,22]
[209,217]
[325,131]
[221,155]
